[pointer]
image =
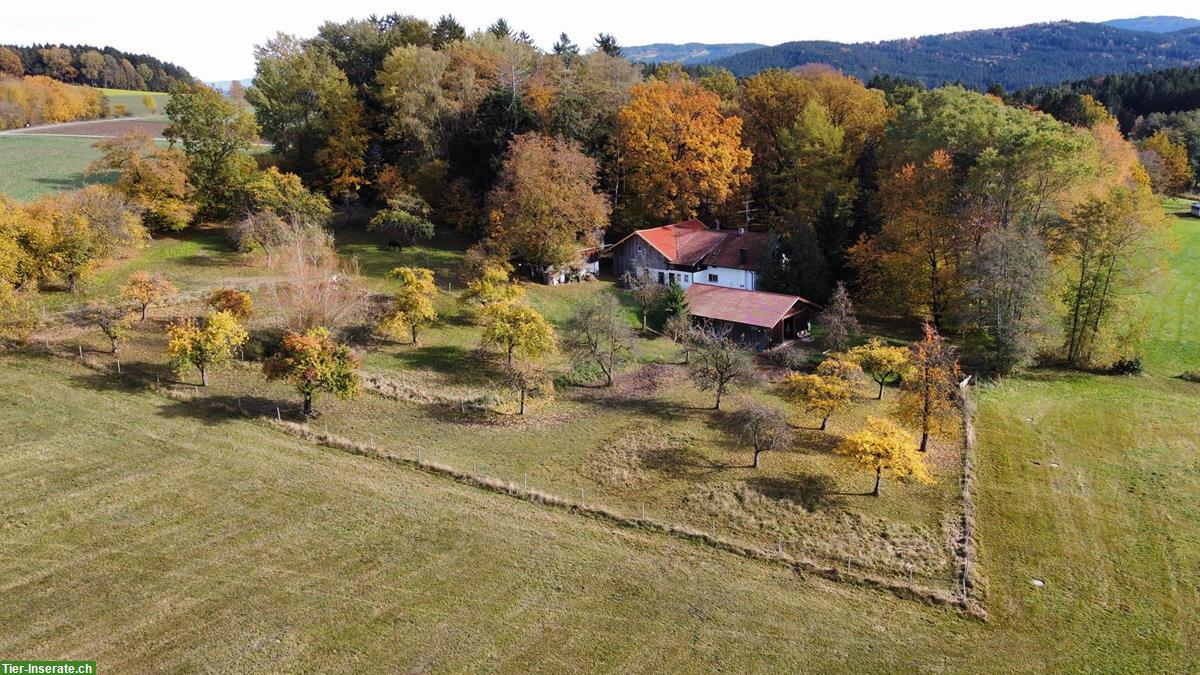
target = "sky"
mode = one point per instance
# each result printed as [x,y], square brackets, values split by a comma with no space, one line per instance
[214,39]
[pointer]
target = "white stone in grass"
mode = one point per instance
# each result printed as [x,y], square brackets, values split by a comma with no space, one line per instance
[1037,582]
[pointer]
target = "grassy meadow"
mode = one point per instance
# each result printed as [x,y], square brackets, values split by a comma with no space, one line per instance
[35,166]
[134,101]
[201,540]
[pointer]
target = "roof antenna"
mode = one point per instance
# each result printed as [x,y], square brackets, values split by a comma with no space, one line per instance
[747,211]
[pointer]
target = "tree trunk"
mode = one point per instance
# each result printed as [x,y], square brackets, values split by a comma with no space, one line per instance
[757,452]
[144,312]
[414,334]
[203,376]
[510,353]
[643,318]
[924,441]
[71,279]
[522,401]
[880,396]
[824,421]
[878,474]
[308,404]
[717,406]
[113,340]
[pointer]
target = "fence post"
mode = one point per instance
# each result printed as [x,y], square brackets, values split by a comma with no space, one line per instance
[118,367]
[643,510]
[278,415]
[525,481]
[80,351]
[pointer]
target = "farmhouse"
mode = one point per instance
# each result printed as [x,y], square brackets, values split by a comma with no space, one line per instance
[755,318]
[691,253]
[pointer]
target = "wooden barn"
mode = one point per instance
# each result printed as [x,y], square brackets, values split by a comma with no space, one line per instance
[757,319]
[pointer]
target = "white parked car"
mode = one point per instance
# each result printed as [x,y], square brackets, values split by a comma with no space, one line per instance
[1196,209]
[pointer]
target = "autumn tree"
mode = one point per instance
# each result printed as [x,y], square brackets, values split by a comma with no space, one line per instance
[545,207]
[765,428]
[412,306]
[518,329]
[279,211]
[16,313]
[838,320]
[719,362]
[606,43]
[150,103]
[312,362]
[490,280]
[599,334]
[145,289]
[881,446]
[216,136]
[236,302]
[912,264]
[817,395]
[531,374]
[204,344]
[678,152]
[840,367]
[112,320]
[927,396]
[308,109]
[883,363]
[154,179]
[10,63]
[1104,247]
[1167,163]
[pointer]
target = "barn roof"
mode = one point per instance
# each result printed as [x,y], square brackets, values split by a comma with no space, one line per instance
[753,308]
[690,242]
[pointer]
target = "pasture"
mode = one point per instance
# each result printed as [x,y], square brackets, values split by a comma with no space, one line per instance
[35,166]
[134,101]
[202,539]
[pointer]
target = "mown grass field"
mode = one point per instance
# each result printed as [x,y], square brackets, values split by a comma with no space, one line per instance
[34,166]
[208,539]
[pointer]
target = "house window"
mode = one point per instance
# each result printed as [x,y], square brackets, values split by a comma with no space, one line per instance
[712,278]
[672,277]
[660,278]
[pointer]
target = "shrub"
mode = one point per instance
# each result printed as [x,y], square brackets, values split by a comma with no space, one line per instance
[1127,366]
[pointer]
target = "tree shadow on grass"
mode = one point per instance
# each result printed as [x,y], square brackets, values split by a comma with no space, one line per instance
[456,364]
[678,461]
[814,441]
[218,409]
[811,491]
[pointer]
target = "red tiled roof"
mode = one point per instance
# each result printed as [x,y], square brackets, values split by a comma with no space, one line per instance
[728,252]
[690,242]
[754,308]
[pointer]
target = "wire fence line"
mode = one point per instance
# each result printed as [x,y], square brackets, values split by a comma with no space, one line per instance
[272,414]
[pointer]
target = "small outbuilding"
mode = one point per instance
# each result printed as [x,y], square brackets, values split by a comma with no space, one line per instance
[757,319]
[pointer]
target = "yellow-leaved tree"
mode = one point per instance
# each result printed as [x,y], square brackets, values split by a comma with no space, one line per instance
[412,308]
[927,395]
[144,289]
[517,329]
[678,150]
[817,395]
[204,344]
[883,363]
[881,446]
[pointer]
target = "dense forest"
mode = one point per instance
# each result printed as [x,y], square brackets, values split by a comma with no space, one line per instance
[1023,235]
[92,66]
[1014,58]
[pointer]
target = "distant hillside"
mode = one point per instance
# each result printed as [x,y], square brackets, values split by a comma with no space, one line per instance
[690,54]
[1128,96]
[104,67]
[1017,57]
[1155,24]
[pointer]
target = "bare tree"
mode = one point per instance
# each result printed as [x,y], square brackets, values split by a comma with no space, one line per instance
[719,362]
[765,428]
[598,333]
[838,320]
[319,288]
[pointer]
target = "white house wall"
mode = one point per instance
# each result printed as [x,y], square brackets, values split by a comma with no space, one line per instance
[727,277]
